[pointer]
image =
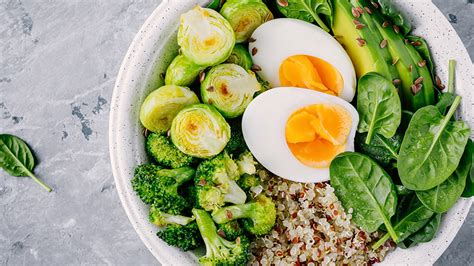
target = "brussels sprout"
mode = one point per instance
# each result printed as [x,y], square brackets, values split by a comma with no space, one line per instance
[162,105]
[245,16]
[182,72]
[230,88]
[200,130]
[240,56]
[205,37]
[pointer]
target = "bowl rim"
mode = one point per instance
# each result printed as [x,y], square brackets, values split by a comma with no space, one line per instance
[115,135]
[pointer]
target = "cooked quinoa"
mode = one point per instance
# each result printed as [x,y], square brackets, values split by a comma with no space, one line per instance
[312,228]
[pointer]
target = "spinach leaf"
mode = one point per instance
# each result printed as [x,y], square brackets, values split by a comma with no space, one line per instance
[425,234]
[424,50]
[469,189]
[383,150]
[412,215]
[406,118]
[390,10]
[442,197]
[307,10]
[16,158]
[364,186]
[432,148]
[445,101]
[378,105]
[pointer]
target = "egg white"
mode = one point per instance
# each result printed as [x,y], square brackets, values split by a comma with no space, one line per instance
[263,127]
[279,39]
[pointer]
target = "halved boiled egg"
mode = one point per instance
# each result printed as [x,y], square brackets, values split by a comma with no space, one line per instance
[296,53]
[295,133]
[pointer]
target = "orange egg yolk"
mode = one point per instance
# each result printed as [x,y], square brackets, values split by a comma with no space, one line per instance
[304,71]
[317,133]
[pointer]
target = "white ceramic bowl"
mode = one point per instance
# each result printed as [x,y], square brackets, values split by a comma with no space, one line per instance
[153,49]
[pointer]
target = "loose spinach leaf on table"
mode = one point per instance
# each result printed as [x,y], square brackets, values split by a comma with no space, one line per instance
[378,105]
[365,187]
[411,216]
[383,150]
[391,11]
[307,10]
[17,159]
[469,189]
[425,234]
[442,197]
[432,148]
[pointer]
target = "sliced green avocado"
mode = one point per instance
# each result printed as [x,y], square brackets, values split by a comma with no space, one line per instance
[366,56]
[406,58]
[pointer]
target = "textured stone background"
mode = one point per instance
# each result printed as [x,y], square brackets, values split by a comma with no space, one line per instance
[58,63]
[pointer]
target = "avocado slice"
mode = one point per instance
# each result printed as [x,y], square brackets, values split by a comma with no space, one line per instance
[407,59]
[366,56]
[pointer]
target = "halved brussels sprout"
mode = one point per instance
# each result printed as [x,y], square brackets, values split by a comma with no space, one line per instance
[205,37]
[200,131]
[162,105]
[182,72]
[245,16]
[230,88]
[240,56]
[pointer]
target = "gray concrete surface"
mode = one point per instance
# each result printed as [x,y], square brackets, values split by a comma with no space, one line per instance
[58,63]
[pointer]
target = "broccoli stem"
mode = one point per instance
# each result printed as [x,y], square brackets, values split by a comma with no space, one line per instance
[235,194]
[208,231]
[232,212]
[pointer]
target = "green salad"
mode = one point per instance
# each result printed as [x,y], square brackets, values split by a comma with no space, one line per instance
[412,158]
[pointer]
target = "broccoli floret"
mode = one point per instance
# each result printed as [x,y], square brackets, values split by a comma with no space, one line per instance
[236,143]
[230,230]
[246,163]
[185,237]
[160,186]
[215,183]
[218,250]
[165,153]
[258,217]
[160,218]
[246,182]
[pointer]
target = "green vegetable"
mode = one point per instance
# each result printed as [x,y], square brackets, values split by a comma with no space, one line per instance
[390,10]
[258,216]
[205,37]
[469,189]
[236,143]
[182,72]
[412,216]
[229,88]
[246,163]
[230,230]
[215,183]
[307,10]
[215,4]
[406,118]
[424,50]
[432,148]
[245,16]
[383,150]
[246,182]
[160,218]
[241,56]
[442,197]
[160,187]
[362,185]
[17,159]
[186,237]
[452,65]
[200,131]
[165,153]
[378,105]
[425,234]
[218,250]
[162,105]
[445,101]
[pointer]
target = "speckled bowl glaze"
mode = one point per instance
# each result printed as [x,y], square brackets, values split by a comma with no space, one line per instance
[153,49]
